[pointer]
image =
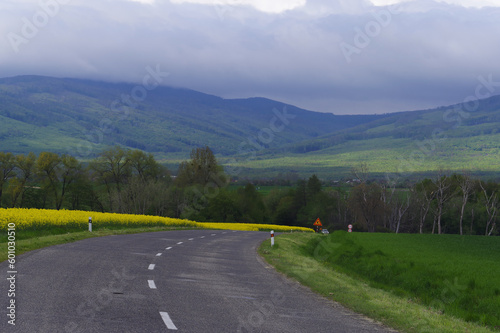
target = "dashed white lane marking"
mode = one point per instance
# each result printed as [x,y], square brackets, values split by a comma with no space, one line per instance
[168,248]
[151,267]
[191,239]
[152,284]
[179,243]
[158,254]
[168,321]
[213,234]
[202,237]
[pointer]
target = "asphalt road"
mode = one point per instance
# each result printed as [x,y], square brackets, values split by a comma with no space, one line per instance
[186,281]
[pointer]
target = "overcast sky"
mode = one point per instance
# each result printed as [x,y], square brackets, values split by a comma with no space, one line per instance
[340,56]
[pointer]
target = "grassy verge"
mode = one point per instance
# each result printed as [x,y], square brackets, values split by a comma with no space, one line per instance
[44,240]
[309,259]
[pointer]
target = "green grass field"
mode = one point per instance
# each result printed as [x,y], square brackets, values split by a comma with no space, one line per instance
[453,274]
[415,283]
[385,155]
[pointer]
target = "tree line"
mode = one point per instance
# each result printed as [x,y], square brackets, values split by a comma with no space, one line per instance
[117,180]
[449,203]
[131,181]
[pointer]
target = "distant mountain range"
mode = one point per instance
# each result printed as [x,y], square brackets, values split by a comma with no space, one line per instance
[261,136]
[43,113]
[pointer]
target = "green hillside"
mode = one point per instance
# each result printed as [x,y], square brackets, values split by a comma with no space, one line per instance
[64,115]
[403,144]
[82,117]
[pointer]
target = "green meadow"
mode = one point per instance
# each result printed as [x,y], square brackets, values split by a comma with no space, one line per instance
[442,283]
[477,154]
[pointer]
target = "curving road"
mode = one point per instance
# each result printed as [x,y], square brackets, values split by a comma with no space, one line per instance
[186,281]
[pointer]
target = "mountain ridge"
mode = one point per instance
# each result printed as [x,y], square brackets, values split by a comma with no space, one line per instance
[76,116]
[169,119]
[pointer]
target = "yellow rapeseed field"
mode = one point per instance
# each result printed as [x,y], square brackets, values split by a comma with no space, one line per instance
[251,227]
[38,219]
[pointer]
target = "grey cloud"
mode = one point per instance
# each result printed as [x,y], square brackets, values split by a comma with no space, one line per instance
[428,55]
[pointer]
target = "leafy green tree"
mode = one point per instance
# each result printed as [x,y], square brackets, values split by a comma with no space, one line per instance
[112,169]
[7,165]
[313,186]
[82,194]
[146,167]
[25,165]
[176,202]
[312,203]
[146,190]
[221,208]
[70,172]
[251,205]
[202,169]
[200,179]
[272,200]
[58,173]
[47,166]
[322,205]
[285,213]
[300,195]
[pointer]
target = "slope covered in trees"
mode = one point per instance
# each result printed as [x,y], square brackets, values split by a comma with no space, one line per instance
[402,145]
[82,118]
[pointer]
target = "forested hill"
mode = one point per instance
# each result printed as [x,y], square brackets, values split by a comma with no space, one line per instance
[81,117]
[454,121]
[455,138]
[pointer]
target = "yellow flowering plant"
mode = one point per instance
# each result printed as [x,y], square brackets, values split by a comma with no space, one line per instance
[40,219]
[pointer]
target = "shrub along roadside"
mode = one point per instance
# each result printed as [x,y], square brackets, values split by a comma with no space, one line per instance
[296,257]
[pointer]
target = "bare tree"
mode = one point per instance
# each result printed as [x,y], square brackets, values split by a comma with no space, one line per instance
[388,205]
[443,194]
[401,206]
[365,201]
[466,185]
[361,172]
[144,197]
[424,194]
[491,205]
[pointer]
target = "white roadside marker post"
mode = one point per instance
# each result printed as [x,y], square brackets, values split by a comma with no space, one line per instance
[272,237]
[90,224]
